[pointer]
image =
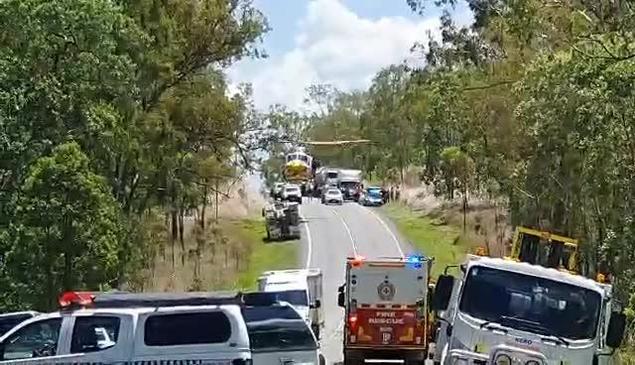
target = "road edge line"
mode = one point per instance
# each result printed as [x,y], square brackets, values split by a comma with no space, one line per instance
[309,242]
[392,234]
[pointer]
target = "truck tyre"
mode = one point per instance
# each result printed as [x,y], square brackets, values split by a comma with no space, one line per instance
[322,360]
[268,236]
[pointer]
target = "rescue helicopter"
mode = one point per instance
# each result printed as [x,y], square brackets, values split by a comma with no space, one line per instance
[299,166]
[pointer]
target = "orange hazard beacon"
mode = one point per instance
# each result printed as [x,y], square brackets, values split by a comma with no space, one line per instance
[386,309]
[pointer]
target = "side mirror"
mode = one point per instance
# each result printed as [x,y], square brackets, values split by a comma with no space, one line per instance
[442,293]
[317,304]
[340,289]
[615,332]
[341,299]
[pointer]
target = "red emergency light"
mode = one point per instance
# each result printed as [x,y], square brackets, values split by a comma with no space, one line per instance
[75,298]
[357,261]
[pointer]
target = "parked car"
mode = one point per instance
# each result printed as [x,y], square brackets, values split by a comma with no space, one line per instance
[371,197]
[292,193]
[333,195]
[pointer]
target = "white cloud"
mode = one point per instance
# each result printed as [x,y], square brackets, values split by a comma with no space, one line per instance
[333,45]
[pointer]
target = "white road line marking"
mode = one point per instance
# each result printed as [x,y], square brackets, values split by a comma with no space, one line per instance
[348,230]
[392,234]
[309,241]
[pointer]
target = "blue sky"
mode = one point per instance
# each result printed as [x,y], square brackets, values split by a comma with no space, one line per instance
[341,42]
[283,16]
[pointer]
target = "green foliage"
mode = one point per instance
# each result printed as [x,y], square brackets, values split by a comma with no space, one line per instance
[111,111]
[67,230]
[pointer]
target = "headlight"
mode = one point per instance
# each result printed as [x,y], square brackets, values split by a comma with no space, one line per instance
[503,360]
[532,362]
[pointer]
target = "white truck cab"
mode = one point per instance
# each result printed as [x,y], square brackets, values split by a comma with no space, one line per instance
[301,288]
[116,331]
[501,311]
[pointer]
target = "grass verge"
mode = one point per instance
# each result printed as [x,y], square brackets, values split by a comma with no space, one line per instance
[263,255]
[443,242]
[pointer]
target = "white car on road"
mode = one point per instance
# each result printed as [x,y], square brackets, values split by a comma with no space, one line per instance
[293,193]
[333,195]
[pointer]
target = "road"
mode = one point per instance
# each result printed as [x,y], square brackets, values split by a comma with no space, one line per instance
[333,233]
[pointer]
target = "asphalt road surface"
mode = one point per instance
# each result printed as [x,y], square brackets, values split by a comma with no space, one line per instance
[331,234]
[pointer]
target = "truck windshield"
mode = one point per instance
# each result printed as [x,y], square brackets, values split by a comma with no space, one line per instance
[530,303]
[294,297]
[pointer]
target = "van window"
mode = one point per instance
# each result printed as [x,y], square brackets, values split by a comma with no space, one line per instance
[295,297]
[38,339]
[7,323]
[95,333]
[187,329]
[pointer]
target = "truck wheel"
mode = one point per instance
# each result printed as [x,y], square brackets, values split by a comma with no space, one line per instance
[322,360]
[268,236]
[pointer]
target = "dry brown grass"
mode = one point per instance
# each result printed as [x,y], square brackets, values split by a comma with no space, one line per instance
[207,259]
[486,223]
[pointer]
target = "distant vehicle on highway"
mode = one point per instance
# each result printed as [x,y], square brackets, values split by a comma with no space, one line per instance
[292,192]
[10,320]
[349,182]
[333,195]
[276,190]
[371,197]
[301,288]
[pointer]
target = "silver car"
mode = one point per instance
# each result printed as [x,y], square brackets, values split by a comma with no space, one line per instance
[333,195]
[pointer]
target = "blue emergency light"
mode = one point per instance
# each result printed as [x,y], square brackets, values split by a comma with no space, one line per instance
[415,261]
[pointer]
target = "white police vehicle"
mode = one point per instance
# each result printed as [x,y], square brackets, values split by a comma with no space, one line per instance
[196,328]
[175,329]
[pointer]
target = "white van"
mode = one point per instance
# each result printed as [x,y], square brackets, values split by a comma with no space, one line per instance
[301,288]
[141,328]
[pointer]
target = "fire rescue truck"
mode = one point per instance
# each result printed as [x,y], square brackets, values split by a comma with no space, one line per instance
[532,308]
[386,309]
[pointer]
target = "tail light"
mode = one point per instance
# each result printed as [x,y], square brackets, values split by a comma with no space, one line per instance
[352,322]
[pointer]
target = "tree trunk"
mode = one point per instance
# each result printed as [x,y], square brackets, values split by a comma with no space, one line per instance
[216,201]
[181,239]
[464,211]
[174,236]
[204,207]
